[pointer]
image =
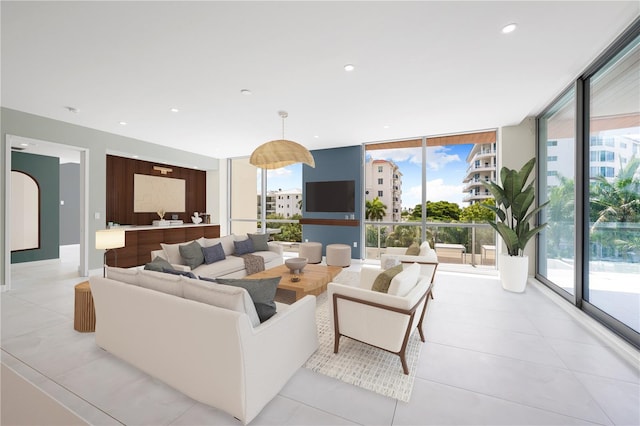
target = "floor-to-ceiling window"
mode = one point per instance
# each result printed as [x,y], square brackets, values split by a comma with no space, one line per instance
[432,189]
[590,251]
[613,280]
[269,198]
[557,157]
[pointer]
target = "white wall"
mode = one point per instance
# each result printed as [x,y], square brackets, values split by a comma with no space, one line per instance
[517,146]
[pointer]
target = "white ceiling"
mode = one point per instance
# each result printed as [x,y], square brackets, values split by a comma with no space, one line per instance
[422,68]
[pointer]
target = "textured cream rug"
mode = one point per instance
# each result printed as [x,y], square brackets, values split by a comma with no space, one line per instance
[359,364]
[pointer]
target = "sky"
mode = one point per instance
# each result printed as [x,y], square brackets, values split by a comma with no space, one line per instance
[446,167]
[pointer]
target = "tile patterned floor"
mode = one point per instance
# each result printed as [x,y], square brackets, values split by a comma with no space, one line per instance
[491,357]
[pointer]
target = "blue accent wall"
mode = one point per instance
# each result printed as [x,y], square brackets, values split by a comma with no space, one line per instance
[46,172]
[335,164]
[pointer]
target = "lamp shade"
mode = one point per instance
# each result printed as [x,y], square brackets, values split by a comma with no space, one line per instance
[109,239]
[280,153]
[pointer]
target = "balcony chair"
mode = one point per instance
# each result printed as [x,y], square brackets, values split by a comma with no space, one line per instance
[382,320]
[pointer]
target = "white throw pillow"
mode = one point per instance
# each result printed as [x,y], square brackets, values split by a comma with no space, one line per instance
[125,275]
[425,248]
[162,282]
[223,296]
[227,244]
[402,283]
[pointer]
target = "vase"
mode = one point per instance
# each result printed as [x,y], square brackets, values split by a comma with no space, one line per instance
[513,272]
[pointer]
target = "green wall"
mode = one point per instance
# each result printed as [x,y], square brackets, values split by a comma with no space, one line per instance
[46,172]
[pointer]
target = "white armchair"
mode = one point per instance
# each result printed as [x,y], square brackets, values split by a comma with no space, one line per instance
[383,320]
[428,258]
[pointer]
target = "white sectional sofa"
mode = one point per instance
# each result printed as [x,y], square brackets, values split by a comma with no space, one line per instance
[210,353]
[231,267]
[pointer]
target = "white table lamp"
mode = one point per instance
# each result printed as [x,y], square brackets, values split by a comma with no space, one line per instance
[109,239]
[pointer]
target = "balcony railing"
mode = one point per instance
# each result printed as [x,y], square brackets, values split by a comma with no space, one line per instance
[456,243]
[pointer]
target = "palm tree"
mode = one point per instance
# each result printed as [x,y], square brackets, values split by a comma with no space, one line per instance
[618,203]
[375,209]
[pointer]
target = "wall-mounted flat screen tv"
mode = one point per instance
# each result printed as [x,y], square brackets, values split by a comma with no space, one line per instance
[332,196]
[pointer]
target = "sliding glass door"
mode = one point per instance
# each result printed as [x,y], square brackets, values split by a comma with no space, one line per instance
[613,281]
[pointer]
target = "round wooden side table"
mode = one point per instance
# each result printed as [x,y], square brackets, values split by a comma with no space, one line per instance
[84,318]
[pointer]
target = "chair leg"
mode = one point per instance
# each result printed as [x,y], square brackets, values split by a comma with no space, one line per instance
[336,344]
[405,368]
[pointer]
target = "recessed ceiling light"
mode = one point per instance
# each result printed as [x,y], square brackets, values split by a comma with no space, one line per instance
[509,28]
[174,110]
[123,123]
[386,126]
[24,144]
[134,156]
[246,92]
[349,67]
[72,109]
[316,136]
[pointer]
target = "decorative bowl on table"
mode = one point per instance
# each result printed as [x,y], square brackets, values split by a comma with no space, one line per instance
[296,264]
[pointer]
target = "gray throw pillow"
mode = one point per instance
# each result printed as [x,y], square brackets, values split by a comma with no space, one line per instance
[215,253]
[244,246]
[383,280]
[158,264]
[192,254]
[262,292]
[259,241]
[187,274]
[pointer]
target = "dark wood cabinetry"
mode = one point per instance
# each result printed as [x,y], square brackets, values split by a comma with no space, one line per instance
[139,243]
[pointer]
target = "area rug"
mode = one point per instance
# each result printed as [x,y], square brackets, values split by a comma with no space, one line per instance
[359,364]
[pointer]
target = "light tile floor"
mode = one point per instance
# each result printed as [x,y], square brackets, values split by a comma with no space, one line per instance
[491,357]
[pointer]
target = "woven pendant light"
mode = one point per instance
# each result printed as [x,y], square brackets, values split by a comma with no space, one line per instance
[281,152]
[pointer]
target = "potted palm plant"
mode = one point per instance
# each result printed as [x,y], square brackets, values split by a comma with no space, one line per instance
[512,204]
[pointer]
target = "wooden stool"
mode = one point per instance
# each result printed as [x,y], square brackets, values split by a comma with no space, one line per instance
[84,318]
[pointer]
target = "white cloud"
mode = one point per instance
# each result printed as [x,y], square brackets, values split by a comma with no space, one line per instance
[413,155]
[437,157]
[279,173]
[437,190]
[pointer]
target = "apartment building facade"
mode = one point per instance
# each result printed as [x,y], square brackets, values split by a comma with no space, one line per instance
[383,179]
[482,168]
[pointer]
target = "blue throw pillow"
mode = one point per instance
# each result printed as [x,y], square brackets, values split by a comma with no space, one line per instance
[243,247]
[214,253]
[187,274]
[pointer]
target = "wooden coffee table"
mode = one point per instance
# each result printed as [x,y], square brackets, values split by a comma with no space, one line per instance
[313,278]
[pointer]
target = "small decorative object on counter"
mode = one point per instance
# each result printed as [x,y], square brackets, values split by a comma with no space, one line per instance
[196,218]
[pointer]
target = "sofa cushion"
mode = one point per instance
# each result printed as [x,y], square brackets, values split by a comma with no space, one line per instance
[159,281]
[158,264]
[223,296]
[125,275]
[268,256]
[172,271]
[383,280]
[172,252]
[214,253]
[259,241]
[192,254]
[402,283]
[243,246]
[262,292]
[413,250]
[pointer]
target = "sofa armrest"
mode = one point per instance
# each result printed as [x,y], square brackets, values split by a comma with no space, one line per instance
[275,247]
[276,349]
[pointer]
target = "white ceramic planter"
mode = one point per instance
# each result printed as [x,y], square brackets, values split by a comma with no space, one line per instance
[513,272]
